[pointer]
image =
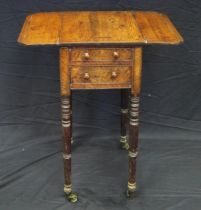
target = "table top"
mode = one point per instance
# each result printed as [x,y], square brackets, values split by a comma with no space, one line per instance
[98,28]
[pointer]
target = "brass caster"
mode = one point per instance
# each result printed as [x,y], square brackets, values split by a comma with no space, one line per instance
[72,197]
[124,145]
[130,194]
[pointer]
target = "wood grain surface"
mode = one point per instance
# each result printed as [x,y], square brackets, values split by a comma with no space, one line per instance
[101,74]
[64,71]
[100,27]
[100,54]
[136,71]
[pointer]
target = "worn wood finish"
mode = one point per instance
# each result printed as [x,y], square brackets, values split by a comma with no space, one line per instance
[64,72]
[137,71]
[99,86]
[103,51]
[102,63]
[157,28]
[66,116]
[88,55]
[66,125]
[98,68]
[133,143]
[101,75]
[98,27]
[134,119]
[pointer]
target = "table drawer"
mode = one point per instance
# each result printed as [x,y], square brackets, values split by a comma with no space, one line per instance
[111,54]
[101,74]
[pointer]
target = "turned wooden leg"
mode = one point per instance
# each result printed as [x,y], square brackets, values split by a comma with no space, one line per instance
[71,100]
[66,104]
[66,126]
[134,120]
[133,144]
[124,113]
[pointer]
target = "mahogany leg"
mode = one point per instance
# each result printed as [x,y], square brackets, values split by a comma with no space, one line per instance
[71,100]
[66,104]
[133,144]
[124,113]
[134,120]
[66,125]
[67,132]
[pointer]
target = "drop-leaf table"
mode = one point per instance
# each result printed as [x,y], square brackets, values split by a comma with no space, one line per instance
[100,50]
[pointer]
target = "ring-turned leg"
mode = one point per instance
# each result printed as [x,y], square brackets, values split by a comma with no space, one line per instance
[134,120]
[71,101]
[133,144]
[66,122]
[124,114]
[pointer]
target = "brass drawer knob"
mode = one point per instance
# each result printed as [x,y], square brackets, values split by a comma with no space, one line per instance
[114,74]
[115,54]
[86,75]
[86,55]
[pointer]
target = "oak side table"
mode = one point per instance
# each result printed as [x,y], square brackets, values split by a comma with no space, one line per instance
[100,50]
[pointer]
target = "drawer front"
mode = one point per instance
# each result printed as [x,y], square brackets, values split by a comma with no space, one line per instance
[111,54]
[101,74]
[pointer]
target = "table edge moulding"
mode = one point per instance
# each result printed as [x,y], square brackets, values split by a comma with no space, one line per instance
[100,50]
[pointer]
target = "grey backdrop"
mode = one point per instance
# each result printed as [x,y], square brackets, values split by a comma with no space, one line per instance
[169,163]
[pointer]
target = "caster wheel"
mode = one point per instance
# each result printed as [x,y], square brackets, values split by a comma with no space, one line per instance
[130,194]
[124,145]
[72,197]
